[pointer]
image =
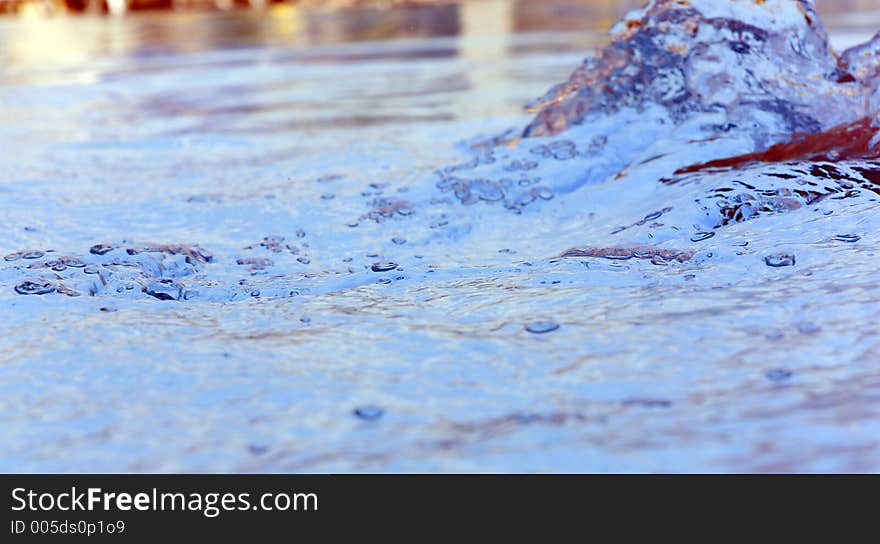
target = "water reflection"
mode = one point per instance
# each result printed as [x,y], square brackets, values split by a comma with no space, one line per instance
[38,42]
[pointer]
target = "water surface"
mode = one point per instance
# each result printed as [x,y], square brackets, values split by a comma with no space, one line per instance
[299,151]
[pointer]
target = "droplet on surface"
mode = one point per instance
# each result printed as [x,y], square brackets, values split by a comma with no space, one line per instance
[383,266]
[32,255]
[542,327]
[778,260]
[34,287]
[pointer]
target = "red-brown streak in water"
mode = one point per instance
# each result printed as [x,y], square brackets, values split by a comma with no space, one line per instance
[844,142]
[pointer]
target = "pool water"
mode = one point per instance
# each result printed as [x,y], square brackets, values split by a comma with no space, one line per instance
[284,286]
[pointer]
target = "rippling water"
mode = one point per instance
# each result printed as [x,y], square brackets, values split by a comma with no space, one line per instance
[280,285]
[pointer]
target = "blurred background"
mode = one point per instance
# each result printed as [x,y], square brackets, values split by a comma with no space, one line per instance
[41,33]
[36,32]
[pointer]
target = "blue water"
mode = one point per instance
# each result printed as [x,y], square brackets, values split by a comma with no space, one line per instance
[302,166]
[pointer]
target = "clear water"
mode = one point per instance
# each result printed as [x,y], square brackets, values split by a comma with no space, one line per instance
[479,351]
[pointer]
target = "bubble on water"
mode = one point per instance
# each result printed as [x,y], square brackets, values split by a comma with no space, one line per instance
[519,165]
[272,243]
[91,269]
[32,255]
[58,267]
[544,193]
[12,257]
[700,236]
[778,375]
[778,260]
[849,238]
[487,190]
[164,289]
[305,319]
[524,199]
[107,309]
[255,293]
[255,263]
[398,240]
[257,449]
[383,266]
[34,287]
[369,413]
[328,196]
[808,327]
[648,403]
[542,327]
[72,262]
[300,233]
[619,255]
[303,260]
[100,249]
